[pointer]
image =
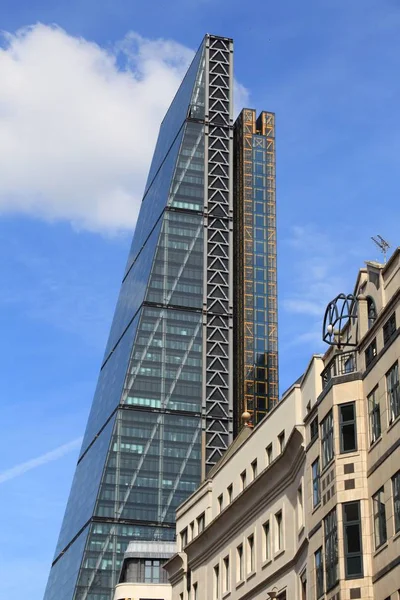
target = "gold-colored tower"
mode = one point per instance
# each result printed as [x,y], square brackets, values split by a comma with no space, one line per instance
[255,280]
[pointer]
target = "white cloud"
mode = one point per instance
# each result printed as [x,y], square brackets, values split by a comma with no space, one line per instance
[78,123]
[40,460]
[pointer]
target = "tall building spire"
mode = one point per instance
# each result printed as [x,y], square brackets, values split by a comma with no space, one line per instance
[162,411]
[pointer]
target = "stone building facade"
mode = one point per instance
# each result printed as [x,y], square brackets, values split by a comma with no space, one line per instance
[307,504]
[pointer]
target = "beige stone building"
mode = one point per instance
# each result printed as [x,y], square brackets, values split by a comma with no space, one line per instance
[307,504]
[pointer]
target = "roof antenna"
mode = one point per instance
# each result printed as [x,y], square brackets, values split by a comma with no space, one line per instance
[382,244]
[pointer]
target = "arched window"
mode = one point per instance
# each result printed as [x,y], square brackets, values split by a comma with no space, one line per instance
[371,311]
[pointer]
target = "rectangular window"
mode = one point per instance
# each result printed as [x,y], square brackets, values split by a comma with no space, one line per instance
[230,493]
[348,435]
[227,575]
[239,556]
[393,392]
[319,573]
[300,519]
[243,479]
[281,441]
[268,452]
[278,532]
[314,429]
[331,549]
[201,522]
[254,469]
[216,582]
[192,530]
[250,554]
[389,329]
[370,353]
[303,585]
[316,482]
[220,503]
[374,412]
[352,540]
[396,501]
[184,538]
[267,542]
[379,518]
[327,439]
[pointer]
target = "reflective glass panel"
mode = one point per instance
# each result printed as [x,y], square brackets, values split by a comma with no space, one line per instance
[64,573]
[154,201]
[177,113]
[133,290]
[84,488]
[109,385]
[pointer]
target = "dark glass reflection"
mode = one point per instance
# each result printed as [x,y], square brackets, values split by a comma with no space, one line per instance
[84,488]
[64,573]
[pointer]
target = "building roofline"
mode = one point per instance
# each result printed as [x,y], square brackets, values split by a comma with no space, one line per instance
[395,255]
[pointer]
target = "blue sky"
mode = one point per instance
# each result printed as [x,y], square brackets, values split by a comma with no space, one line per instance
[75,104]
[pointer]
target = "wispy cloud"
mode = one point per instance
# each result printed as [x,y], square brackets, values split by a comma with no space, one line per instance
[318,276]
[40,460]
[78,123]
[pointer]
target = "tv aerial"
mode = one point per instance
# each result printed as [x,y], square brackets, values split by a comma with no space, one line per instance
[382,244]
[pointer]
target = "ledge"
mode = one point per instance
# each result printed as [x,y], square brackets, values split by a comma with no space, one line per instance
[375,443]
[266,563]
[380,549]
[240,583]
[393,423]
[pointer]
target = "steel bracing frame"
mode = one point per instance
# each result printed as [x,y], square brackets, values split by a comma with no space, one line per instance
[218,224]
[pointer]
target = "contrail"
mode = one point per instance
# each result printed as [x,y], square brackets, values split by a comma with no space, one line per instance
[39,460]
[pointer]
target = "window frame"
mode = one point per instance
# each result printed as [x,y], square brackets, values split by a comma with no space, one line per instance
[393,392]
[217,582]
[389,329]
[396,501]
[183,536]
[314,428]
[226,575]
[327,440]
[316,482]
[254,469]
[269,454]
[279,537]
[379,517]
[300,507]
[374,416]
[267,541]
[319,573]
[370,353]
[251,563]
[239,561]
[229,489]
[201,523]
[349,555]
[331,550]
[281,441]
[342,424]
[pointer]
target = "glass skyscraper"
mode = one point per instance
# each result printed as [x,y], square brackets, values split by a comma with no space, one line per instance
[255,314]
[162,413]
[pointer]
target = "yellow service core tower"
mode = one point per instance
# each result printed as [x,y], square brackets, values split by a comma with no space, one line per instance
[255,286]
